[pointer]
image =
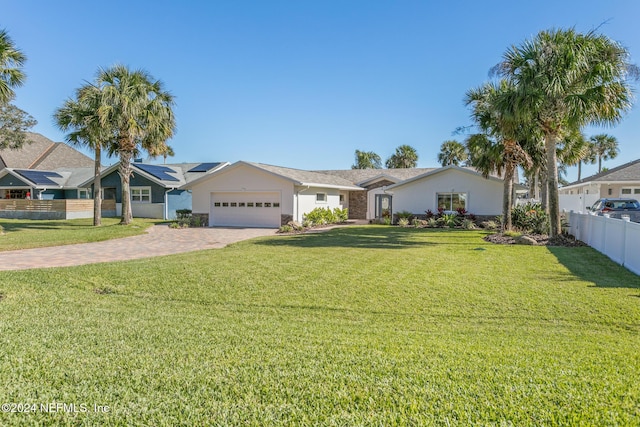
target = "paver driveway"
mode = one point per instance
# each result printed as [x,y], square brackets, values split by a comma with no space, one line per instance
[159,240]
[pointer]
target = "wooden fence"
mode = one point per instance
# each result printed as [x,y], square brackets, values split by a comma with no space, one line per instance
[52,209]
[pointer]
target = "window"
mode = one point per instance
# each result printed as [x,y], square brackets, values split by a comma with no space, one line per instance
[216,204]
[321,197]
[249,204]
[84,193]
[225,204]
[241,204]
[452,201]
[267,205]
[234,204]
[141,194]
[629,191]
[341,198]
[276,204]
[258,204]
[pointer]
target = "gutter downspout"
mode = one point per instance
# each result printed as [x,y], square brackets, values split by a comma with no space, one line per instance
[166,202]
[298,203]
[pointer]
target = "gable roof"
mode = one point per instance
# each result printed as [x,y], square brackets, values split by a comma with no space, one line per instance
[628,172]
[296,176]
[48,179]
[363,176]
[165,175]
[43,154]
[446,168]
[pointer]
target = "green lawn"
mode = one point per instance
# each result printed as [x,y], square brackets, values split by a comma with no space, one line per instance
[24,234]
[356,326]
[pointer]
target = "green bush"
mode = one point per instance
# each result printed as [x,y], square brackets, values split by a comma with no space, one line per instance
[490,225]
[433,223]
[285,229]
[468,224]
[449,220]
[530,218]
[323,216]
[403,222]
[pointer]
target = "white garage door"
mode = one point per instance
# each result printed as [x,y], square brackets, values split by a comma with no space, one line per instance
[246,209]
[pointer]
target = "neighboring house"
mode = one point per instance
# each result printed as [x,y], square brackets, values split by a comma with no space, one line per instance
[258,195]
[41,153]
[621,181]
[155,189]
[254,194]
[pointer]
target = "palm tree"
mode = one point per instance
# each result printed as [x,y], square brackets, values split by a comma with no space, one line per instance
[567,80]
[137,111]
[367,160]
[492,110]
[405,157]
[574,149]
[452,153]
[11,62]
[80,118]
[605,147]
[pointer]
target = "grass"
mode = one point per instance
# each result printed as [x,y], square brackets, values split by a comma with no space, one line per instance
[356,326]
[25,234]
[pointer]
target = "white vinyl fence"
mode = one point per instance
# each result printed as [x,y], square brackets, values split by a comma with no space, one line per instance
[619,239]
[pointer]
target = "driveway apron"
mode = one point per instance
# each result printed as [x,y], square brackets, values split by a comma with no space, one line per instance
[159,240]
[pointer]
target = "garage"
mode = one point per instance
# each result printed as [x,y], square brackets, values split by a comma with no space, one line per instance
[245,209]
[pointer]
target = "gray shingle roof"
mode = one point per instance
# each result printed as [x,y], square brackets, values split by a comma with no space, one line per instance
[628,172]
[356,176]
[43,154]
[302,177]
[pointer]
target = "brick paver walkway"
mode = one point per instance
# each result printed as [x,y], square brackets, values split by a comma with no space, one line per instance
[159,240]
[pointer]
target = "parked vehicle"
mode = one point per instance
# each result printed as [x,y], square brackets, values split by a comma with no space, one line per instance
[617,207]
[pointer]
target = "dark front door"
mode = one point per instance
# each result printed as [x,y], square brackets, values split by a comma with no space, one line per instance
[383,205]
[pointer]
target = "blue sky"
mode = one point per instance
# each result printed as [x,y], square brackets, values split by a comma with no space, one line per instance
[300,83]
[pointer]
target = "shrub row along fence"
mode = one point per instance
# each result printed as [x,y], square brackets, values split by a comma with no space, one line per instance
[619,239]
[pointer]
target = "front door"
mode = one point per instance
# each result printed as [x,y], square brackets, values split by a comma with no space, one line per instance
[383,206]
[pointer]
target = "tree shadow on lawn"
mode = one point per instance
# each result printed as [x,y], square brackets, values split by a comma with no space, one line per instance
[589,265]
[40,225]
[360,237]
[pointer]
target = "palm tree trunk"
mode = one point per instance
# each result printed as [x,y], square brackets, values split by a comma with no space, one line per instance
[125,175]
[599,164]
[579,169]
[507,197]
[550,143]
[97,197]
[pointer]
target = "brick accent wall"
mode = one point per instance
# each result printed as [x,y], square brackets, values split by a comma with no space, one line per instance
[285,219]
[358,200]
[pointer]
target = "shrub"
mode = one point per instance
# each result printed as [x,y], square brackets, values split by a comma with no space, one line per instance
[341,215]
[490,225]
[530,218]
[433,223]
[404,214]
[449,220]
[468,224]
[429,213]
[461,212]
[285,229]
[403,222]
[183,213]
[418,223]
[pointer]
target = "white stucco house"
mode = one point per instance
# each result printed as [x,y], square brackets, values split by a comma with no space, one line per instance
[449,188]
[259,195]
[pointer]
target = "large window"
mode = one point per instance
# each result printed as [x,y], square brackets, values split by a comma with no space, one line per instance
[321,197]
[626,192]
[141,194]
[452,201]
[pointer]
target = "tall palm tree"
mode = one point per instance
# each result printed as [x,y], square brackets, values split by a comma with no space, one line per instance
[492,110]
[11,62]
[80,118]
[452,153]
[567,80]
[405,157]
[367,160]
[605,147]
[137,110]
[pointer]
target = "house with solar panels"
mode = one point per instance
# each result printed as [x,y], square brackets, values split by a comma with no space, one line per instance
[155,189]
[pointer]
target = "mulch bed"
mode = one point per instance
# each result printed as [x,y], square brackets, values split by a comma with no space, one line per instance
[541,240]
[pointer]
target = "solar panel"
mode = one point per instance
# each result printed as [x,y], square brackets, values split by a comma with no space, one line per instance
[160,172]
[40,177]
[203,167]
